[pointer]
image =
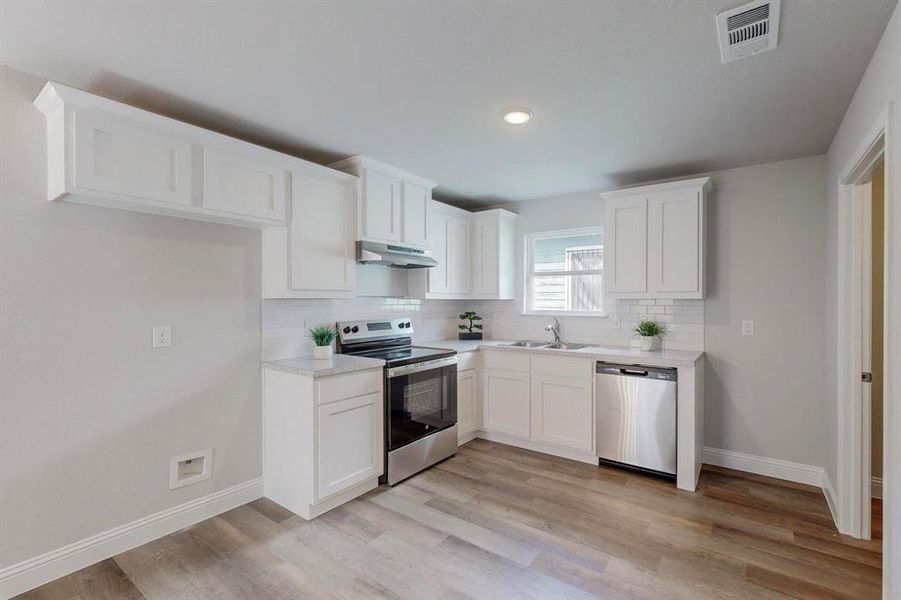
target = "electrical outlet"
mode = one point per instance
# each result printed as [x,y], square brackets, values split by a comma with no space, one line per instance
[162,336]
[747,327]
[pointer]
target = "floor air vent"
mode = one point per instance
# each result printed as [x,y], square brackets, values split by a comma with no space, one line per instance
[748,30]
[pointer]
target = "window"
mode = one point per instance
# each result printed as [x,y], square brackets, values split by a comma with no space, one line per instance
[564,272]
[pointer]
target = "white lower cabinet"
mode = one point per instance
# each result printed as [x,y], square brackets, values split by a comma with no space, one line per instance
[348,448]
[323,438]
[468,406]
[507,405]
[542,402]
[563,411]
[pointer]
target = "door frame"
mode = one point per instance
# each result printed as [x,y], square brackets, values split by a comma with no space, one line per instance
[853,490]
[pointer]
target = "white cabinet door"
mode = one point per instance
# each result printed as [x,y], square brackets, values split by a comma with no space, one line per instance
[321,236]
[507,407]
[416,208]
[349,443]
[461,255]
[116,158]
[626,260]
[674,243]
[381,208]
[563,411]
[468,417]
[439,277]
[241,186]
[485,256]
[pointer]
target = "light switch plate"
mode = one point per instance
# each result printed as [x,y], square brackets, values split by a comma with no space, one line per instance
[747,327]
[162,336]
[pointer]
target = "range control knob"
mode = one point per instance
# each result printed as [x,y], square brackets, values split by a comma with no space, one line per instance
[355,329]
[408,325]
[346,330]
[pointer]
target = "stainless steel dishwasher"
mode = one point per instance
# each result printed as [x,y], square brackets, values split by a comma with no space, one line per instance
[635,412]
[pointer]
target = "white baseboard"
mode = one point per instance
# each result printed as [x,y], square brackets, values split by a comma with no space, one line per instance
[876,487]
[831,498]
[770,467]
[39,570]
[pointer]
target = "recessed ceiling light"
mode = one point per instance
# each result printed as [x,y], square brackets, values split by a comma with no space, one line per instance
[516,115]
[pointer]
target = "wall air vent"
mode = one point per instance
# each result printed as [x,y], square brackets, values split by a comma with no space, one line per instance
[748,30]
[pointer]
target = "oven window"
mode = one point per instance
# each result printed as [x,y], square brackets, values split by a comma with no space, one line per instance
[421,404]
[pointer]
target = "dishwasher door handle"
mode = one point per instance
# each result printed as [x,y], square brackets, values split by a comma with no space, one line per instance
[633,373]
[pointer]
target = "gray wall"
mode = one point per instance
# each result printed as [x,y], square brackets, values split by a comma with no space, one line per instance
[766,228]
[89,414]
[766,236]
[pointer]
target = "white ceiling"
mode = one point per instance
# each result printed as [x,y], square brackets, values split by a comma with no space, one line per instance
[622,91]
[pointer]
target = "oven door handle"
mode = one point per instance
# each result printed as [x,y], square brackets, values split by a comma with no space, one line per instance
[422,366]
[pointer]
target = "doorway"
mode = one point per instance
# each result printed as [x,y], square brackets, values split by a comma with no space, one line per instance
[875,163]
[876,366]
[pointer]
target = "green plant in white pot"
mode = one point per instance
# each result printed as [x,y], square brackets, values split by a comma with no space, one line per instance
[649,332]
[323,338]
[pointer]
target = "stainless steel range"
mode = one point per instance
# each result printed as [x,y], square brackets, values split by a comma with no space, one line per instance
[420,394]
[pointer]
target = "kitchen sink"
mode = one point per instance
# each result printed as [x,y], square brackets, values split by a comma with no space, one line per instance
[528,344]
[562,346]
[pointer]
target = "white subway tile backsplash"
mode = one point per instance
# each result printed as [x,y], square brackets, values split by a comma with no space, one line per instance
[286,323]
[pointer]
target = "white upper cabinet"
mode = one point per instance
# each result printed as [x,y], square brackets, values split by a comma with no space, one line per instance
[105,153]
[655,241]
[417,200]
[450,235]
[675,226]
[494,254]
[380,209]
[313,257]
[120,159]
[393,206]
[461,255]
[241,186]
[626,251]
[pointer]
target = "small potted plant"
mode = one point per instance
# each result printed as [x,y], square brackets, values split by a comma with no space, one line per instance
[468,332]
[323,338]
[649,332]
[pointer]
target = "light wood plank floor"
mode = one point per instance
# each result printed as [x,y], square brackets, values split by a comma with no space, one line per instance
[499,522]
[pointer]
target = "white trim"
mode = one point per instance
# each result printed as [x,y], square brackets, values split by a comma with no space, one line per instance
[760,465]
[702,182]
[39,570]
[853,490]
[876,487]
[512,440]
[831,496]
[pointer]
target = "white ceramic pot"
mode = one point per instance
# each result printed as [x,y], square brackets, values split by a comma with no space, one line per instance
[322,352]
[648,343]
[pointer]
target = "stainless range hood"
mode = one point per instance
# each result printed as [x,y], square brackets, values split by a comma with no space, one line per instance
[390,255]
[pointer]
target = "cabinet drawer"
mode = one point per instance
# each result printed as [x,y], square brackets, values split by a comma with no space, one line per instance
[562,366]
[467,361]
[341,387]
[506,361]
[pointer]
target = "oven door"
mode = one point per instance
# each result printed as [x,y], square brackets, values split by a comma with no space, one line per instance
[421,400]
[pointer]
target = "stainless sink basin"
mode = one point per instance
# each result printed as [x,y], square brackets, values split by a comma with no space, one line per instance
[562,346]
[527,344]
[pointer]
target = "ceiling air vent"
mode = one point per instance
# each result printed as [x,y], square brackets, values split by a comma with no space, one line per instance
[748,30]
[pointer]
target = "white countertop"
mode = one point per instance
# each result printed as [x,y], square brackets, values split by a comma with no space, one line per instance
[632,356]
[336,365]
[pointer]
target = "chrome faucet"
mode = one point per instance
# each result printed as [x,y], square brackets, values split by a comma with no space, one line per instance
[555,329]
